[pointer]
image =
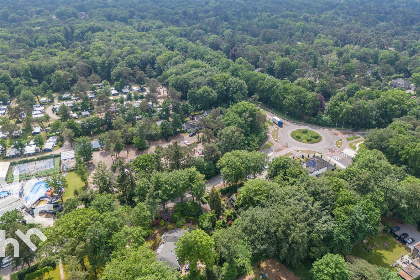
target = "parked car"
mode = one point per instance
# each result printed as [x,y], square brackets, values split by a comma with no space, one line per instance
[402,237]
[167,139]
[187,142]
[7,261]
[395,228]
[193,133]
[187,267]
[410,240]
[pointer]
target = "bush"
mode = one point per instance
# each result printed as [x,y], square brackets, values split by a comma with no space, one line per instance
[188,209]
[207,221]
[49,262]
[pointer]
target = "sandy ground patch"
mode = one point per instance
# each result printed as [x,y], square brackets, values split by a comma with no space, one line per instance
[273,269]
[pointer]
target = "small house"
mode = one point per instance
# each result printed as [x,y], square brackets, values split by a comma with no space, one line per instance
[402,83]
[125,90]
[12,152]
[114,92]
[74,116]
[190,126]
[36,130]
[48,147]
[43,101]
[17,133]
[30,150]
[66,96]
[316,166]
[85,114]
[53,139]
[404,275]
[96,145]
[412,270]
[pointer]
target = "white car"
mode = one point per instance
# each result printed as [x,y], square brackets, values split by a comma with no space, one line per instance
[186,142]
[7,261]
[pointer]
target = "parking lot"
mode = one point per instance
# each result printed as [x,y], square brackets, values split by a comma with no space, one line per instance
[411,231]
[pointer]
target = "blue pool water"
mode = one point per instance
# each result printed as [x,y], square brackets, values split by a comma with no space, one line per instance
[4,194]
[37,191]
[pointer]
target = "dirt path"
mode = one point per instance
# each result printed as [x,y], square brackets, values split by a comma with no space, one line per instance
[273,269]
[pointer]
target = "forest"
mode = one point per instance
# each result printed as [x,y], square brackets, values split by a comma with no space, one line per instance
[327,63]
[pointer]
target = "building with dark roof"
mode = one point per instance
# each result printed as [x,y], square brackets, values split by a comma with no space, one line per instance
[316,166]
[402,83]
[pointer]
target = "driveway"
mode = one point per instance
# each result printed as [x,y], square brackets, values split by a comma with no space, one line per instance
[412,232]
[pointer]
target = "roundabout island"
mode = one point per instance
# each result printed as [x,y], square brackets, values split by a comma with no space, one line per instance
[306,136]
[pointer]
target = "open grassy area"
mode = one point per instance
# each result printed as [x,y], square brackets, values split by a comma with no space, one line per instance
[269,123]
[268,145]
[275,133]
[339,143]
[380,255]
[306,136]
[74,183]
[352,138]
[353,145]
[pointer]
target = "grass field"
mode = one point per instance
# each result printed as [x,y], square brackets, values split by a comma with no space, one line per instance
[380,255]
[269,123]
[353,145]
[339,143]
[268,145]
[306,136]
[352,138]
[74,183]
[275,133]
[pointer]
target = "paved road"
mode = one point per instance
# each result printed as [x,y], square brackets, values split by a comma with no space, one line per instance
[286,144]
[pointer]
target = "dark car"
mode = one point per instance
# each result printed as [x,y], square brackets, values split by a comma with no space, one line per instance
[167,139]
[410,240]
[395,228]
[193,133]
[402,237]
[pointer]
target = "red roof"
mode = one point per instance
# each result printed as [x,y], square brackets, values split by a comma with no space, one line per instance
[404,275]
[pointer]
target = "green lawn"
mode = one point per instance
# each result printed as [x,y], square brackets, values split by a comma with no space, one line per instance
[353,145]
[74,183]
[275,133]
[306,136]
[380,255]
[269,123]
[339,143]
[268,145]
[352,138]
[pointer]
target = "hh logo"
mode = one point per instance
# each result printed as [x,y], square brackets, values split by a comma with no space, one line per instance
[26,238]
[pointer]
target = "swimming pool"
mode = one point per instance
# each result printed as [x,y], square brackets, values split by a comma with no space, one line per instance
[38,190]
[4,194]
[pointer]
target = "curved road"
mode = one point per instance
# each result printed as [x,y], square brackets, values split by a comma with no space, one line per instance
[326,147]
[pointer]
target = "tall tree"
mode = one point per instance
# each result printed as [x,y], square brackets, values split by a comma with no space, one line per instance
[330,267]
[215,201]
[84,149]
[103,179]
[196,246]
